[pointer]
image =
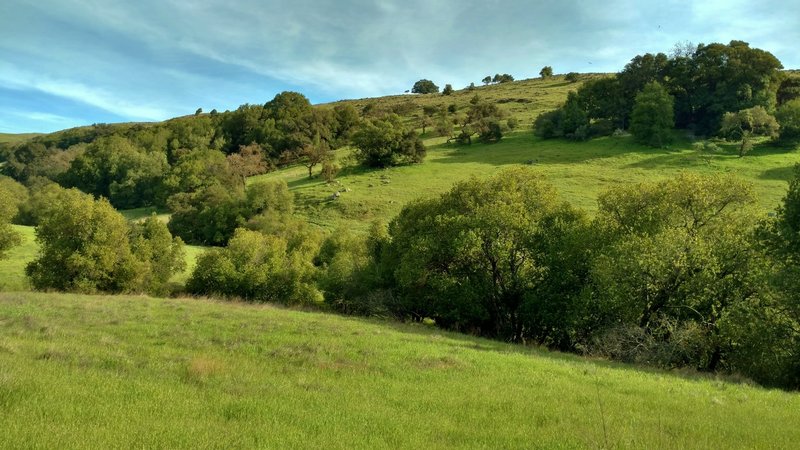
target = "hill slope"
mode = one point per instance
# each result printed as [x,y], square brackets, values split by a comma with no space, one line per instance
[95,372]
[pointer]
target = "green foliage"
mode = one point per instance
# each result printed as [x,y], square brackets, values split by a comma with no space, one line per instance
[788,117]
[160,253]
[745,124]
[448,89]
[572,77]
[504,78]
[652,118]
[479,258]
[9,205]
[681,263]
[424,87]
[386,142]
[117,170]
[210,216]
[352,277]
[546,72]
[256,267]
[87,240]
[549,124]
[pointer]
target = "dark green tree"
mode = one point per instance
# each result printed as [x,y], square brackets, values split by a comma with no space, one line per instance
[425,87]
[386,142]
[546,72]
[652,118]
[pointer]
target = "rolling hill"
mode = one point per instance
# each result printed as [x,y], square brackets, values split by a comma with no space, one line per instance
[188,373]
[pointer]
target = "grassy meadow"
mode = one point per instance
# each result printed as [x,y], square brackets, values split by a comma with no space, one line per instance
[579,170]
[136,372]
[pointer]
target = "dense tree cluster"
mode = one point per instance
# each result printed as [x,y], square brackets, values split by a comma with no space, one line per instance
[677,273]
[704,83]
[144,165]
[87,246]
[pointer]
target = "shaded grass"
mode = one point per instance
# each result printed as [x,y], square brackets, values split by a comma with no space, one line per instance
[97,372]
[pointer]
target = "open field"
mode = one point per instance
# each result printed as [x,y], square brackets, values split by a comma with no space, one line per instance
[579,170]
[123,372]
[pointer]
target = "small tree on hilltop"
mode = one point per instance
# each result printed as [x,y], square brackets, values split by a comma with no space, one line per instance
[546,72]
[448,89]
[424,87]
[487,80]
[652,118]
[572,77]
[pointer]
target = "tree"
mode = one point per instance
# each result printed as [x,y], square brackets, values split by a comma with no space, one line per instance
[314,153]
[482,257]
[572,77]
[546,72]
[118,170]
[424,87]
[247,162]
[160,253]
[448,89]
[385,142]
[8,209]
[487,80]
[678,262]
[198,112]
[652,118]
[258,268]
[743,125]
[788,117]
[84,247]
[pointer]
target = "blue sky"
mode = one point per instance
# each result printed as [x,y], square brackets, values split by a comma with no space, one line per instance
[69,63]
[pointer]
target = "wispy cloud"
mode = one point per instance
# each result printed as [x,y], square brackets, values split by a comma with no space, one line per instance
[150,59]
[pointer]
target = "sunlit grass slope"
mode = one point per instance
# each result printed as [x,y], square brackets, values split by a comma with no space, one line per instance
[136,372]
[580,171]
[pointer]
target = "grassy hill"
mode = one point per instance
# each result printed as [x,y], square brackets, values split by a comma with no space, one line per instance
[14,138]
[96,372]
[580,171]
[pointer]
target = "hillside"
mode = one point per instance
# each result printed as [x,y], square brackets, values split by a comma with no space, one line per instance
[143,372]
[580,170]
[13,138]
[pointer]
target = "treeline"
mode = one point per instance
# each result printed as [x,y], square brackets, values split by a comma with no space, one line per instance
[197,166]
[733,91]
[679,273]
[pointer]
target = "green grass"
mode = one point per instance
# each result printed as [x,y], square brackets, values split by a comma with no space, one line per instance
[579,170]
[12,268]
[136,372]
[14,138]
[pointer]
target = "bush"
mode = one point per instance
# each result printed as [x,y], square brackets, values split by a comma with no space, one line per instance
[572,77]
[258,268]
[385,142]
[549,124]
[788,116]
[85,246]
[448,89]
